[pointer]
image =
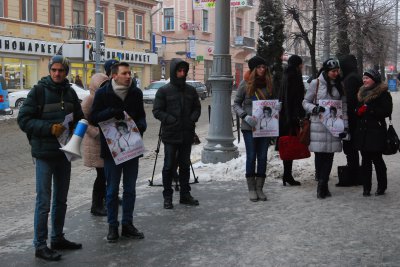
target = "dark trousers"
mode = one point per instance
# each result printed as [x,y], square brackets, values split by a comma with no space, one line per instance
[176,155]
[353,162]
[380,167]
[99,186]
[323,166]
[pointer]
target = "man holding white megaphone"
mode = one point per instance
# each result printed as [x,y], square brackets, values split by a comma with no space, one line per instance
[46,106]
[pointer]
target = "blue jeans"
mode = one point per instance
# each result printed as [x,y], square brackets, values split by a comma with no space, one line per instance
[256,148]
[176,155]
[58,172]
[113,177]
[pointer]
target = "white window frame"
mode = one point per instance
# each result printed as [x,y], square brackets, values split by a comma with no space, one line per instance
[252,29]
[139,27]
[205,20]
[2,11]
[239,26]
[28,14]
[170,17]
[121,23]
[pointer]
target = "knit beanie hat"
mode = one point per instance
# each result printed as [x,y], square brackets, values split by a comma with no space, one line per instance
[255,61]
[295,61]
[374,75]
[60,59]
[330,64]
[108,64]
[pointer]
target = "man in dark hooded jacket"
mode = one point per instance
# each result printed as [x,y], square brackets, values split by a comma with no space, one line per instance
[351,82]
[178,108]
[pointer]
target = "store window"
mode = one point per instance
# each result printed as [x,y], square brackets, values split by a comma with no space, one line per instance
[85,72]
[19,73]
[138,73]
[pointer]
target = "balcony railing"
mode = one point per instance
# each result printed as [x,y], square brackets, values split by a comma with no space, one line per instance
[82,32]
[243,4]
[244,41]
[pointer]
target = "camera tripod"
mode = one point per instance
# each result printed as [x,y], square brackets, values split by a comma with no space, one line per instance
[175,178]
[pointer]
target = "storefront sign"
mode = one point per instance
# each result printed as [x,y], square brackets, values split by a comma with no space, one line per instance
[127,56]
[207,4]
[28,46]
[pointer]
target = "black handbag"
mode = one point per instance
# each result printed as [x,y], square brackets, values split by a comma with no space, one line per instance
[392,140]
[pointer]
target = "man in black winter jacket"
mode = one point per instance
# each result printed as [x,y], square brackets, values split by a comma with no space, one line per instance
[111,101]
[351,82]
[178,108]
[41,118]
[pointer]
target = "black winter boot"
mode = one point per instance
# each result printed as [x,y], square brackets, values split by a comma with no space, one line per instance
[98,208]
[320,191]
[113,234]
[128,230]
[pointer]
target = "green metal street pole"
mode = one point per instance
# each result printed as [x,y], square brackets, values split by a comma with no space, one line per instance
[220,147]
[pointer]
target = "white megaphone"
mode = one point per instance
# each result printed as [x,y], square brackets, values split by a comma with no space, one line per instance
[73,148]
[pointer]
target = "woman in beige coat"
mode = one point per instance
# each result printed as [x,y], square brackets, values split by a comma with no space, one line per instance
[91,148]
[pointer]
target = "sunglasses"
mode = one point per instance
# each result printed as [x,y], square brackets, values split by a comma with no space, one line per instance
[332,64]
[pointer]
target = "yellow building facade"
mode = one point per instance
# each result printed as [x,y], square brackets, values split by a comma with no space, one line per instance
[32,31]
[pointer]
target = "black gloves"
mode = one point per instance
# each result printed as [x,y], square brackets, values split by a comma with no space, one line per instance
[318,109]
[118,113]
[343,134]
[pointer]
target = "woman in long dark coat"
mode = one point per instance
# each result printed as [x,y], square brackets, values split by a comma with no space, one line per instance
[374,105]
[291,95]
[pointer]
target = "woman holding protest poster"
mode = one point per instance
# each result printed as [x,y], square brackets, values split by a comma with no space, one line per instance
[257,85]
[323,143]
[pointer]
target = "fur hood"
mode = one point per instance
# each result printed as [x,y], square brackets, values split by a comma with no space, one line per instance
[367,94]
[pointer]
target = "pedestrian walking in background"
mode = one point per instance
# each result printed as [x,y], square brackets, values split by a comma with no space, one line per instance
[323,143]
[351,83]
[41,118]
[91,148]
[374,105]
[257,85]
[291,95]
[178,108]
[110,101]
[78,81]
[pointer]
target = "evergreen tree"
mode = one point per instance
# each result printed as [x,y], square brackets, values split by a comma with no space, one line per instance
[271,38]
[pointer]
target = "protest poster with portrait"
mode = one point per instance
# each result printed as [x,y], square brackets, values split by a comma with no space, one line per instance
[267,118]
[332,117]
[123,138]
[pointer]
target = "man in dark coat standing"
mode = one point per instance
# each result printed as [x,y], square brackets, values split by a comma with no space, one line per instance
[110,101]
[178,108]
[41,118]
[351,83]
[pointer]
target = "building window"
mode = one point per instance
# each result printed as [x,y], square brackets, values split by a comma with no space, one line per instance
[168,19]
[205,20]
[239,27]
[55,12]
[2,8]
[139,27]
[121,23]
[27,10]
[78,13]
[252,29]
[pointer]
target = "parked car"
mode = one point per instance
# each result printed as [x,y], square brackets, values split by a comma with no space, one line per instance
[200,88]
[305,81]
[17,98]
[149,93]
